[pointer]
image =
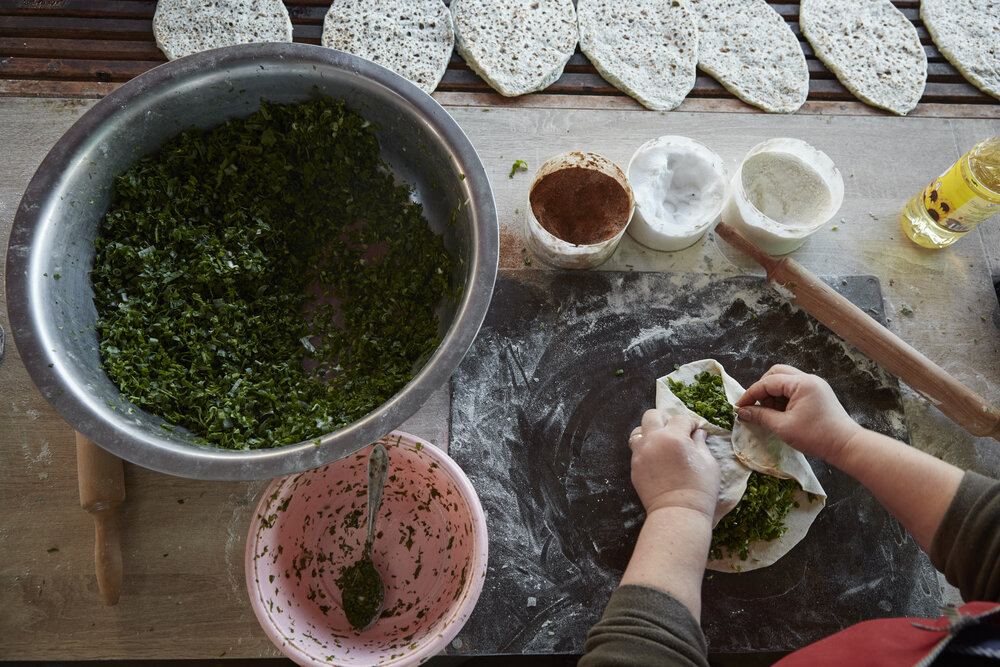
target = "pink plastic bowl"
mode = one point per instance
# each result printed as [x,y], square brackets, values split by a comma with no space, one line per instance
[430,548]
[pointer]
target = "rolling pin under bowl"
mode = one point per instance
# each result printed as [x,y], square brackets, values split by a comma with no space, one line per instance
[102,490]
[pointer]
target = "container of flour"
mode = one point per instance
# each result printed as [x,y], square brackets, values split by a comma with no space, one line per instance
[783,192]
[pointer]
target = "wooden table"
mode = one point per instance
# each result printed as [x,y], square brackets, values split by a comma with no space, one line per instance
[183,540]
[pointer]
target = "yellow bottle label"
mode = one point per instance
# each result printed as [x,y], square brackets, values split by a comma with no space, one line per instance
[953,204]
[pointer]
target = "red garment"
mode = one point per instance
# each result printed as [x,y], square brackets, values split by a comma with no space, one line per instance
[889,642]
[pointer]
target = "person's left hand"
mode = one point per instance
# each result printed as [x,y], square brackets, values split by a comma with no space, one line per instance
[671,465]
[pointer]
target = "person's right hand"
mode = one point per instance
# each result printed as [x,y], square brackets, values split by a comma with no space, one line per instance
[671,465]
[800,409]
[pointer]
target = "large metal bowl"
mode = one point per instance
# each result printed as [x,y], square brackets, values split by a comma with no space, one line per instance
[55,225]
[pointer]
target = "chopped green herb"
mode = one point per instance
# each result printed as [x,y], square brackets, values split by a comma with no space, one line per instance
[225,250]
[760,515]
[707,397]
[361,589]
[906,310]
[519,165]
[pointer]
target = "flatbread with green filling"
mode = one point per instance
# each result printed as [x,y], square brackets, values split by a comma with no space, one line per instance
[742,451]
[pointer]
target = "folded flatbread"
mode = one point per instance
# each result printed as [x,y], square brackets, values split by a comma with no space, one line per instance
[516,46]
[414,38]
[645,48]
[872,48]
[967,32]
[183,27]
[744,449]
[749,48]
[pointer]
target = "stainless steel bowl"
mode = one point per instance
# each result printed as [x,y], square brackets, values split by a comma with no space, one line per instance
[54,228]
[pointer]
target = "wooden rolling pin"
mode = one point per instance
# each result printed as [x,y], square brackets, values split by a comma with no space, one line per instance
[102,489]
[965,407]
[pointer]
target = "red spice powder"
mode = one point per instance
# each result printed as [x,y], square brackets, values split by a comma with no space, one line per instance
[580,206]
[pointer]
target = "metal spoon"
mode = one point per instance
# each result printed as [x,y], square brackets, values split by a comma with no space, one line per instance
[362,587]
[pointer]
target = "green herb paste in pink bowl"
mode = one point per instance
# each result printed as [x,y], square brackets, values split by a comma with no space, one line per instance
[430,548]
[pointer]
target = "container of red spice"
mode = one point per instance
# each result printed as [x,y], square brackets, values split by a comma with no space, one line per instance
[579,205]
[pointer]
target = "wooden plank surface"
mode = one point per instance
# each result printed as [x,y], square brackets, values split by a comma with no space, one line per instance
[182,540]
[67,48]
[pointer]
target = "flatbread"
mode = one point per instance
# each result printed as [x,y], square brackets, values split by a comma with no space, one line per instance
[748,48]
[720,440]
[183,27]
[739,451]
[414,38]
[967,32]
[645,48]
[871,47]
[516,46]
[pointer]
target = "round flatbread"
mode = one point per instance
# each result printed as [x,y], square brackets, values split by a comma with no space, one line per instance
[183,27]
[645,48]
[738,452]
[748,48]
[414,38]
[967,32]
[516,46]
[871,47]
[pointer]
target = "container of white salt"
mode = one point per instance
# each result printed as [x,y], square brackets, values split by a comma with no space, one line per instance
[783,192]
[680,188]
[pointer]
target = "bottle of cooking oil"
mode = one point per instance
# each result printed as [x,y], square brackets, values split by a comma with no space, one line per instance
[958,200]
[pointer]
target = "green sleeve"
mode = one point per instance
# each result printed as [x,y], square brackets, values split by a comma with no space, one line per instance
[645,626]
[966,546]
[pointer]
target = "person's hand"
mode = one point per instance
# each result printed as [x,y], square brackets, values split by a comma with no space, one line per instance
[800,409]
[671,465]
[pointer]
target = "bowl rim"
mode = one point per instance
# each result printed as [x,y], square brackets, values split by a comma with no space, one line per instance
[470,591]
[195,461]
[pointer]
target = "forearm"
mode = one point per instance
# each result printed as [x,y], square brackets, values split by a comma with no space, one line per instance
[670,554]
[913,485]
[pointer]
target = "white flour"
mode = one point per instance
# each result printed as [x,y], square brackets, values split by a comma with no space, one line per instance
[786,189]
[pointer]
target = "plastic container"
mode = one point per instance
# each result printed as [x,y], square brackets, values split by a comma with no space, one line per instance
[783,192]
[680,188]
[431,549]
[579,205]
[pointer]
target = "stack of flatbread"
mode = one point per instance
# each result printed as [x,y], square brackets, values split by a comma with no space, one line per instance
[414,38]
[872,48]
[516,46]
[646,48]
[744,449]
[749,48]
[184,27]
[967,32]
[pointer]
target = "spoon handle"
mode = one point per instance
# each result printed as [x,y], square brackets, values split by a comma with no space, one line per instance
[378,468]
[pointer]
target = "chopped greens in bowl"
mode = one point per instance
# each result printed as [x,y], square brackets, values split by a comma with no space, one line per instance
[234,258]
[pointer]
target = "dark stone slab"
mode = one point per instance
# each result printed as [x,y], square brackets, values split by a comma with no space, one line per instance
[541,409]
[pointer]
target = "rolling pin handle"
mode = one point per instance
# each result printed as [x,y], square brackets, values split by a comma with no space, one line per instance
[965,407]
[101,478]
[108,555]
